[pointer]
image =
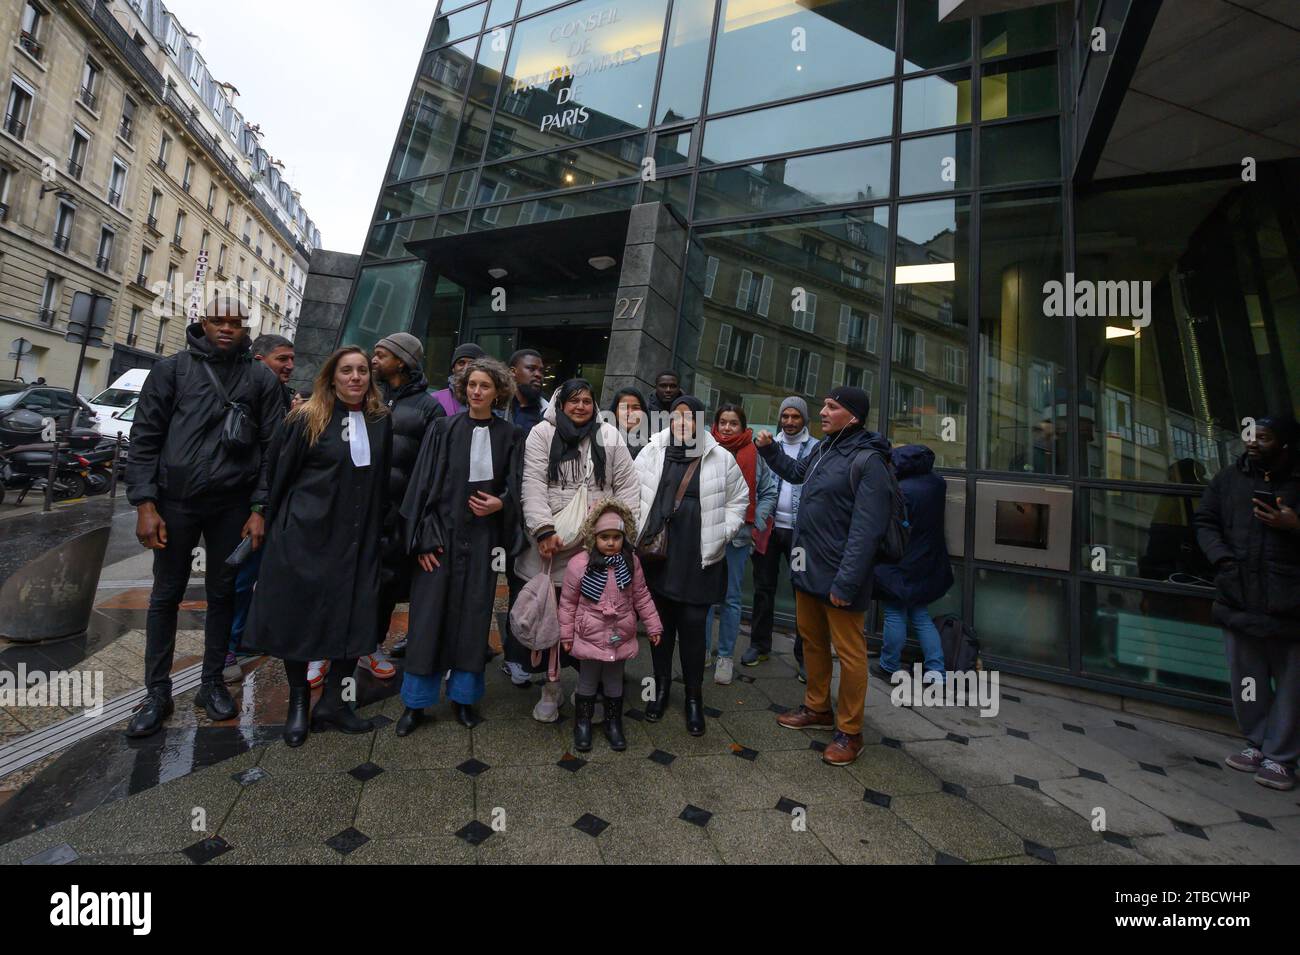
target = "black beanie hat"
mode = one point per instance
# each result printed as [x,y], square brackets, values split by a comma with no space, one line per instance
[467,350]
[854,399]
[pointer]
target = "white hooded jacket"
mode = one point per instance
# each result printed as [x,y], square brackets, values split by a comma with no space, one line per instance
[724,495]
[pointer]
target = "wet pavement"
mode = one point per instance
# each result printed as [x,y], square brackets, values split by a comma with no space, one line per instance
[1045,780]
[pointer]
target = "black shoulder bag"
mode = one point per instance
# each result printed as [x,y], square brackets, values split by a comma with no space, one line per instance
[237,432]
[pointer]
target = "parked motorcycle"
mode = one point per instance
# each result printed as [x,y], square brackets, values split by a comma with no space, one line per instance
[25,459]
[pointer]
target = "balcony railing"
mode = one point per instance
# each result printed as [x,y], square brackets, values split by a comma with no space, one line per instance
[160,162]
[186,185]
[14,126]
[131,338]
[30,44]
[152,223]
[61,242]
[259,251]
[176,244]
[141,280]
[101,262]
[126,46]
[114,197]
[89,99]
[74,169]
[4,211]
[46,315]
[125,130]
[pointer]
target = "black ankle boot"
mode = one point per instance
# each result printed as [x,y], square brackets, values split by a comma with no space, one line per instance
[583,708]
[614,723]
[466,716]
[333,710]
[216,701]
[654,710]
[298,720]
[695,711]
[149,718]
[408,721]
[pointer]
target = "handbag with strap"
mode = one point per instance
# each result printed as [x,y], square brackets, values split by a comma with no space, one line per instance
[237,433]
[568,523]
[535,621]
[655,548]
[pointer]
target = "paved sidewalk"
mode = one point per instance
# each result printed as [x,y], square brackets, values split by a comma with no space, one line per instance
[932,785]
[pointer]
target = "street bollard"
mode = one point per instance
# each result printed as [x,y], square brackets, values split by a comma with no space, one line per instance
[112,478]
[49,478]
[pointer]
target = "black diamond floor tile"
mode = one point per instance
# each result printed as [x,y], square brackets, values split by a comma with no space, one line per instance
[635,714]
[206,850]
[1252,820]
[1091,774]
[1189,829]
[571,763]
[696,815]
[1153,768]
[347,841]
[473,768]
[778,708]
[365,771]
[1011,697]
[877,798]
[1026,782]
[955,789]
[1018,734]
[254,774]
[591,825]
[817,745]
[1070,727]
[712,712]
[1123,725]
[1211,763]
[744,679]
[891,742]
[1117,839]
[788,806]
[744,752]
[475,833]
[381,721]
[61,854]
[1039,852]
[942,858]
[662,757]
[958,738]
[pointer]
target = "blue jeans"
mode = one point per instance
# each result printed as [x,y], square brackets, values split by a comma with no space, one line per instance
[420,691]
[245,578]
[737,558]
[897,618]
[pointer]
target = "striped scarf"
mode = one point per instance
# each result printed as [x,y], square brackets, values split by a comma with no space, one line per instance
[593,581]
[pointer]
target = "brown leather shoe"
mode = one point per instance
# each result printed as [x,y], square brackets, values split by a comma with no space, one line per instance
[804,718]
[843,749]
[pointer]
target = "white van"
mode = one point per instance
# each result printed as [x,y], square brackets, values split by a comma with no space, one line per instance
[117,396]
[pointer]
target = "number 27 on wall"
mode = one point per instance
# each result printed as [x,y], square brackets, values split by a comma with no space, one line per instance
[627,307]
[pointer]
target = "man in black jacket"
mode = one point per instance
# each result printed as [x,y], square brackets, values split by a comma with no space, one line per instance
[186,481]
[276,352]
[1248,528]
[844,512]
[398,363]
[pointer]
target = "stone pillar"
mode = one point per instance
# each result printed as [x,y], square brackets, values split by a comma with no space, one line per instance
[645,307]
[324,302]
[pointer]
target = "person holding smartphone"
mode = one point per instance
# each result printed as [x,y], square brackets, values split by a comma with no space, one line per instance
[1249,530]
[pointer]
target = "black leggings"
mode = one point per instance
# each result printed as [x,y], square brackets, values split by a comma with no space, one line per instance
[296,671]
[684,622]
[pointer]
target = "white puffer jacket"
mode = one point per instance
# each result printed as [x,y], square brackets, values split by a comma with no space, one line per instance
[542,501]
[724,495]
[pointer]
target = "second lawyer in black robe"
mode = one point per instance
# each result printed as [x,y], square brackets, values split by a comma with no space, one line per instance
[451,607]
[317,595]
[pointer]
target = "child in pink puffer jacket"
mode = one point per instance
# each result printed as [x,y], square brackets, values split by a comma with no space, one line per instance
[603,596]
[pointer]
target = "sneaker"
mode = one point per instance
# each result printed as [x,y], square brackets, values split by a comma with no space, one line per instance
[1247,761]
[316,671]
[804,718]
[802,675]
[547,709]
[518,675]
[722,672]
[377,665]
[232,672]
[708,659]
[1275,776]
[843,749]
[877,670]
[753,657]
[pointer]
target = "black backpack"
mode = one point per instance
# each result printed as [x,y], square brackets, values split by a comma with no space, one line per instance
[961,648]
[899,531]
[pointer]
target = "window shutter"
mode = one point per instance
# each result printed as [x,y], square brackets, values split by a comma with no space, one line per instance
[765,295]
[837,376]
[814,367]
[791,368]
[845,318]
[742,291]
[755,357]
[724,343]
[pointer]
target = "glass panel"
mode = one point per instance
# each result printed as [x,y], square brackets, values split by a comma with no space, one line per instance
[927,43]
[567,169]
[849,175]
[672,149]
[829,121]
[453,225]
[786,306]
[939,100]
[532,6]
[484,80]
[1161,640]
[556,207]
[927,386]
[1020,152]
[935,164]
[1209,269]
[389,241]
[500,11]
[410,199]
[460,189]
[1142,535]
[582,72]
[1018,31]
[682,85]
[1021,617]
[424,143]
[437,328]
[384,302]
[675,190]
[776,49]
[1022,378]
[1018,87]
[456,26]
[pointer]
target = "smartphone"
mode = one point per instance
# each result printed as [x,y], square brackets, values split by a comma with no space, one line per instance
[1265,499]
[240,553]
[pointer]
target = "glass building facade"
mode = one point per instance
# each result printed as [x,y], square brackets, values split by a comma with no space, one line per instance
[871,196]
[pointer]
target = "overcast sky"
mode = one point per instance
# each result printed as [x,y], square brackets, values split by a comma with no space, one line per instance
[327,81]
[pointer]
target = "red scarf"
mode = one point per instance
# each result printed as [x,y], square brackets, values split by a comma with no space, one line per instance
[742,448]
